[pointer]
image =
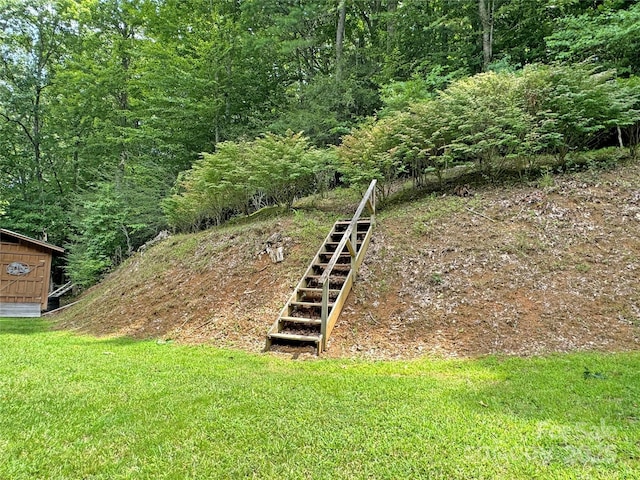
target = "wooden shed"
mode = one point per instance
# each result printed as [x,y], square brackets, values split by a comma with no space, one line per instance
[25,273]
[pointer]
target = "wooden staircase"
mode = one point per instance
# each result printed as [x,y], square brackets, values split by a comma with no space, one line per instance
[313,309]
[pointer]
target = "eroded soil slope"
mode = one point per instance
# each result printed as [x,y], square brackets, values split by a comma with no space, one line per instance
[517,270]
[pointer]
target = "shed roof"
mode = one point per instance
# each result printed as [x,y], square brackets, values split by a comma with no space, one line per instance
[33,241]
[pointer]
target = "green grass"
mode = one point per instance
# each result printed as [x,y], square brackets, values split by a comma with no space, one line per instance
[79,407]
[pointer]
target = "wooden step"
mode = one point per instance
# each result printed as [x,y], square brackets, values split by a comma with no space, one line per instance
[302,321]
[340,234]
[347,222]
[326,257]
[295,338]
[331,248]
[332,291]
[340,230]
[309,294]
[308,304]
[330,254]
[342,270]
[340,266]
[334,245]
[332,278]
[343,259]
[335,239]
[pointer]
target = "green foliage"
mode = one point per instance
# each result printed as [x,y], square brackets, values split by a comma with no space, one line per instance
[370,152]
[244,176]
[492,120]
[574,105]
[111,222]
[398,95]
[283,167]
[100,236]
[484,120]
[35,34]
[609,37]
[326,109]
[631,90]
[433,33]
[216,183]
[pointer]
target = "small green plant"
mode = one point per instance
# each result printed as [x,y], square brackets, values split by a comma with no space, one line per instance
[523,243]
[587,374]
[583,267]
[547,179]
[433,209]
[420,228]
[311,227]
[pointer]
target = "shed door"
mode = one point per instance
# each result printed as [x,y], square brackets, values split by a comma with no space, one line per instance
[22,278]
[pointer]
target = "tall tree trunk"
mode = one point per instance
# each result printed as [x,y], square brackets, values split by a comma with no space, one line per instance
[392,6]
[487,9]
[35,138]
[342,15]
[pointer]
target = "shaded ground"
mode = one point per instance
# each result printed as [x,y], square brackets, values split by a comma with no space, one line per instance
[521,270]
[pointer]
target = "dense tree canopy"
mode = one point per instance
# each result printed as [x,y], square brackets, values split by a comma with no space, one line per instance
[103,103]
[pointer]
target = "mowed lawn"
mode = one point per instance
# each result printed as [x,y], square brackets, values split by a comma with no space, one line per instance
[79,407]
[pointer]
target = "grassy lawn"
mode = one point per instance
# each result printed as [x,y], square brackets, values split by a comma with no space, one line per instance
[80,407]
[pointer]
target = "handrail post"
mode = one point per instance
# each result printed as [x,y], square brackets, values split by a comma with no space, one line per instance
[373,207]
[354,243]
[324,315]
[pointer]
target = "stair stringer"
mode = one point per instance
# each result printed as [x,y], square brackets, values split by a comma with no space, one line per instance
[335,311]
[338,303]
[286,310]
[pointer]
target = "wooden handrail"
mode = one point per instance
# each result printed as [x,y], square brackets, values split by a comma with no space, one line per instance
[353,239]
[350,240]
[61,290]
[368,198]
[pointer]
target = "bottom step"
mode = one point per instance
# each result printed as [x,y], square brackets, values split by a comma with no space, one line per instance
[295,338]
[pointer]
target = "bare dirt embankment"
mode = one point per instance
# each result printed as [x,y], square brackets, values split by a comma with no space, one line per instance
[519,270]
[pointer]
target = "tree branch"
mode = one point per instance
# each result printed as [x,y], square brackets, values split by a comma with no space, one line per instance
[21,125]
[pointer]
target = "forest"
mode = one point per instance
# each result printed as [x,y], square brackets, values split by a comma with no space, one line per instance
[122,118]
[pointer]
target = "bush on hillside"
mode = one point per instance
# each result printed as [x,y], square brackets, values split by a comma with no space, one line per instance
[483,120]
[283,167]
[371,151]
[631,127]
[574,106]
[215,185]
[489,121]
[241,177]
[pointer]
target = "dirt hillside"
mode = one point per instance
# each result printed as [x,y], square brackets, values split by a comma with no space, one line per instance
[553,266]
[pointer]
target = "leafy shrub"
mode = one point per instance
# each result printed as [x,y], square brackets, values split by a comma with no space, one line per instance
[573,106]
[492,120]
[241,177]
[424,138]
[371,151]
[215,184]
[400,95]
[284,167]
[631,90]
[104,235]
[484,119]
